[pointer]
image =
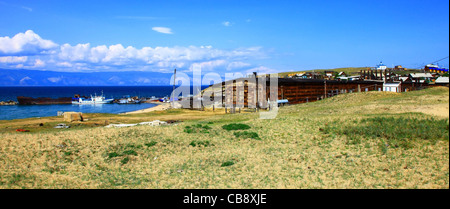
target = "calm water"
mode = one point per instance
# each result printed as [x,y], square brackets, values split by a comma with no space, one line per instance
[28,111]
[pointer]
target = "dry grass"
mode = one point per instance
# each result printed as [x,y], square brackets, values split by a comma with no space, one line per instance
[99,120]
[292,152]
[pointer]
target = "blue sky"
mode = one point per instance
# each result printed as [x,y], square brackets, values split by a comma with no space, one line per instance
[220,35]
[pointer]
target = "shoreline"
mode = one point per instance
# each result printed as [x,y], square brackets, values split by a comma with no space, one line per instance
[159,107]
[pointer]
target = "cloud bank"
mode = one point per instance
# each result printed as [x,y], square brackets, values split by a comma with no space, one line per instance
[29,51]
[28,43]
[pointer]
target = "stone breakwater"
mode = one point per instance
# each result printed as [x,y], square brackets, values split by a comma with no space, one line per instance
[8,103]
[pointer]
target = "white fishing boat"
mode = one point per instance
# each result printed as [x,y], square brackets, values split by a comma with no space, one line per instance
[129,100]
[93,100]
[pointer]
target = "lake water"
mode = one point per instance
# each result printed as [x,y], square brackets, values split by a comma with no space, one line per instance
[29,111]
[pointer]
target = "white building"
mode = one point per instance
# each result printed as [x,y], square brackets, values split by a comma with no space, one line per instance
[392,87]
[381,66]
[442,80]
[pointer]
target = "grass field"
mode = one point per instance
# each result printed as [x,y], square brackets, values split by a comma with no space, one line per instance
[358,140]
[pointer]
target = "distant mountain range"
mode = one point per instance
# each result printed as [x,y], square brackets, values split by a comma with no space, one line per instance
[52,78]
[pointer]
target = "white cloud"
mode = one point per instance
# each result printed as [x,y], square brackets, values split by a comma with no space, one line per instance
[25,43]
[64,64]
[55,79]
[27,8]
[227,23]
[208,65]
[237,65]
[88,58]
[13,59]
[17,6]
[38,63]
[163,30]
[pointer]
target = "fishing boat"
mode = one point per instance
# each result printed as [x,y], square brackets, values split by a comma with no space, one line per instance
[92,100]
[129,100]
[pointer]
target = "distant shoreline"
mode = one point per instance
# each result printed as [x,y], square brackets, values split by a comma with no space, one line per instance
[159,107]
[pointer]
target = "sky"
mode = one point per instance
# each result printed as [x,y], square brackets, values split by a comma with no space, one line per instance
[221,36]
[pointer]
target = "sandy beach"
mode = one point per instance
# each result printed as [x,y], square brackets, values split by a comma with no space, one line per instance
[159,106]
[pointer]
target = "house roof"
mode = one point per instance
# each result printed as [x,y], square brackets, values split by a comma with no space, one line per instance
[421,75]
[442,80]
[391,84]
[381,64]
[403,78]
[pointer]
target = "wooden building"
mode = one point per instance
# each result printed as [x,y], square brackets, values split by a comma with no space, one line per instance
[295,91]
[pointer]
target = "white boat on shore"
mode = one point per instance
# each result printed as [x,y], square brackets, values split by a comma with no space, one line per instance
[93,100]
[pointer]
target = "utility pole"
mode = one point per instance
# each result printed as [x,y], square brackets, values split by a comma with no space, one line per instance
[257,90]
[173,91]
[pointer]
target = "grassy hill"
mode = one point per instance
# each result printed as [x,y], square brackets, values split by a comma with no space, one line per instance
[358,140]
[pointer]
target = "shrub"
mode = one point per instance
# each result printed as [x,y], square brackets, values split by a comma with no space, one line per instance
[151,144]
[198,128]
[125,160]
[130,152]
[200,143]
[227,163]
[246,134]
[236,126]
[113,155]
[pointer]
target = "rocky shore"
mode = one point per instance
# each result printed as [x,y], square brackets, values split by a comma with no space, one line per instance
[8,102]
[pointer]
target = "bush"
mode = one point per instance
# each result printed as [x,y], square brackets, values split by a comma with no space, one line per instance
[246,134]
[130,152]
[228,163]
[198,128]
[125,160]
[151,144]
[113,155]
[200,143]
[236,126]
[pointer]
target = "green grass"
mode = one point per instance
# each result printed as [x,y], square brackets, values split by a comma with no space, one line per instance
[125,160]
[151,144]
[197,128]
[227,163]
[236,126]
[113,155]
[196,143]
[130,152]
[397,132]
[247,134]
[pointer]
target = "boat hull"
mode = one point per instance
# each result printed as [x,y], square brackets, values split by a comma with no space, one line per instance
[43,100]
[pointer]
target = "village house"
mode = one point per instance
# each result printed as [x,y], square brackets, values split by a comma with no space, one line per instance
[381,66]
[421,77]
[329,75]
[399,68]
